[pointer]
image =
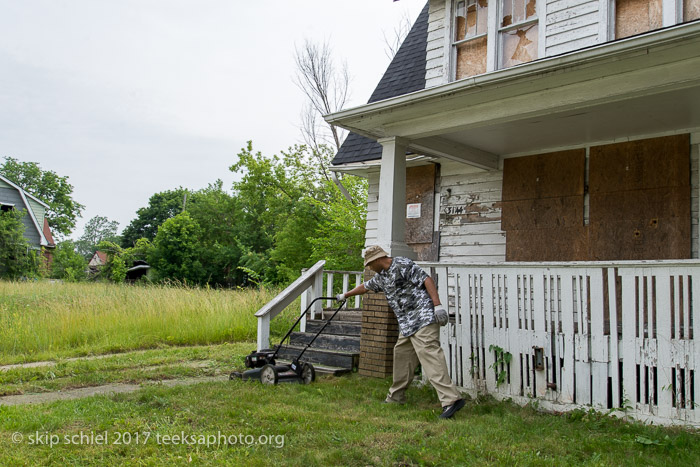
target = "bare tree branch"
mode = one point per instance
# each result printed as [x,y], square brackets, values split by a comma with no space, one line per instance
[326,88]
[393,41]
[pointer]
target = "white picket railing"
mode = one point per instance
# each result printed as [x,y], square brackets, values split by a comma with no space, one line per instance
[615,336]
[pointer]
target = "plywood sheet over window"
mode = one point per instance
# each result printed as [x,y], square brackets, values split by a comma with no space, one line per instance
[471,26]
[637,16]
[691,10]
[420,196]
[543,207]
[471,58]
[640,199]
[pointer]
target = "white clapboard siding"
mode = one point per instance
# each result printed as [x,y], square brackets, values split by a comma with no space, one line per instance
[372,209]
[571,25]
[436,55]
[561,308]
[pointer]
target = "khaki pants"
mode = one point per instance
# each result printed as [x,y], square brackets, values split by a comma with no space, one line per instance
[423,347]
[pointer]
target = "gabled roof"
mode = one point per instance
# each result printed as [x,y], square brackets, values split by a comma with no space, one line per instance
[23,194]
[405,74]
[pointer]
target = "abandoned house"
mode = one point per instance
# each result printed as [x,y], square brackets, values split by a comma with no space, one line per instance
[540,159]
[36,225]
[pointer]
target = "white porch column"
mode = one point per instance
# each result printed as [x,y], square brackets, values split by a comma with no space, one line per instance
[391,227]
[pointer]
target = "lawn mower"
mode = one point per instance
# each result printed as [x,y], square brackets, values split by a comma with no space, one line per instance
[263,366]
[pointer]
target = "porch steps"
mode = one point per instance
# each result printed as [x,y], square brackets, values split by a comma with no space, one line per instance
[335,351]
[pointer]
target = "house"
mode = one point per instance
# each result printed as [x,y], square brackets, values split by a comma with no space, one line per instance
[540,158]
[37,230]
[97,260]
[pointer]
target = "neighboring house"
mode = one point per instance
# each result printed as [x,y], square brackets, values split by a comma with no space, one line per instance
[542,158]
[98,259]
[36,224]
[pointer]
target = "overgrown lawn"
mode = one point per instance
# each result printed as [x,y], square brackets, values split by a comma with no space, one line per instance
[44,320]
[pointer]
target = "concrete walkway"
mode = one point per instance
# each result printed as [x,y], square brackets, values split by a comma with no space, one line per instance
[118,388]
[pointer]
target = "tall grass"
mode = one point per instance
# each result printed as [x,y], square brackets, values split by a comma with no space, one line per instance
[40,319]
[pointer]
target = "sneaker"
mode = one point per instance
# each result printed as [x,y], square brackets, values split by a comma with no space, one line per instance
[449,410]
[392,401]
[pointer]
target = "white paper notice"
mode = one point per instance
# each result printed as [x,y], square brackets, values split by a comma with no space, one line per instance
[413,211]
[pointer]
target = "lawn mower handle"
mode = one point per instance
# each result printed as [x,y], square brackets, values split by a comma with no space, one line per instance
[301,316]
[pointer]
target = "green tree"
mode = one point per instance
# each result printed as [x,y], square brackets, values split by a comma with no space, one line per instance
[17,259]
[176,251]
[67,263]
[340,237]
[289,216]
[49,187]
[217,213]
[97,229]
[161,207]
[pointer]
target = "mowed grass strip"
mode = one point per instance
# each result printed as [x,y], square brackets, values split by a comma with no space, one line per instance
[335,421]
[130,367]
[44,320]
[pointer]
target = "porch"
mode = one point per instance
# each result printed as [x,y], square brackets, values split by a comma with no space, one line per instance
[560,335]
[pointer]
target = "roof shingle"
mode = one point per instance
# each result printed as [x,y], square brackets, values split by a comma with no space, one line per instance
[405,74]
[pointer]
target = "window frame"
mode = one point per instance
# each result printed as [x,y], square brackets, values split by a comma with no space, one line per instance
[493,35]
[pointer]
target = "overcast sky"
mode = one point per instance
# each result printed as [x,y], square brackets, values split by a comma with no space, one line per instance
[131,97]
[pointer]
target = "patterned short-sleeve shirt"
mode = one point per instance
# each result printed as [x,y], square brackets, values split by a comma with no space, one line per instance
[403,285]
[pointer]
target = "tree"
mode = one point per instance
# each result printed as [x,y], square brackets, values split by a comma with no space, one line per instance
[176,250]
[49,187]
[326,88]
[161,207]
[17,259]
[67,263]
[393,41]
[97,229]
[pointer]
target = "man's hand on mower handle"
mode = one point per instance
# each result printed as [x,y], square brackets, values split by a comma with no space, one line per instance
[340,297]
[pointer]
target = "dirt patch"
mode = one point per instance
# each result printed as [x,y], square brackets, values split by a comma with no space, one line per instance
[118,388]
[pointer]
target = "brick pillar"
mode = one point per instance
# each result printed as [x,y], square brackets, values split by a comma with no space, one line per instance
[380,330]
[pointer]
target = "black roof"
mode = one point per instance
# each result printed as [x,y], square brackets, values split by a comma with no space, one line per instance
[405,74]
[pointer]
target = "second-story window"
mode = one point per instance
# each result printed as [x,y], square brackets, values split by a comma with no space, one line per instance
[471,28]
[634,17]
[518,32]
[691,10]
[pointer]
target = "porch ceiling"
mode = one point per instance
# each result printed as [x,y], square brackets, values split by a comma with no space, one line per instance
[641,85]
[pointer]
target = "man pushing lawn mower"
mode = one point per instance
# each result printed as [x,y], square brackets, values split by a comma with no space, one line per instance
[413,296]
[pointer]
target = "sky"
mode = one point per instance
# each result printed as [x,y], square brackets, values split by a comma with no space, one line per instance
[132,97]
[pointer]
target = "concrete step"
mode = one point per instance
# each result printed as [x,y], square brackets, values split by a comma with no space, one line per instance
[330,358]
[322,369]
[326,341]
[343,315]
[339,328]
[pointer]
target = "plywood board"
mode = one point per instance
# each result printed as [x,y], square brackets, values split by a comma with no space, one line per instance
[544,176]
[420,189]
[637,16]
[471,58]
[638,240]
[562,244]
[640,200]
[547,213]
[649,163]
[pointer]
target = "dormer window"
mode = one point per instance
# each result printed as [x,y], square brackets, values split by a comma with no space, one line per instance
[471,29]
[514,35]
[518,31]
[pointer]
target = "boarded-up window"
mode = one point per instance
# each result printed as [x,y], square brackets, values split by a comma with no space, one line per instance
[637,16]
[640,199]
[542,211]
[691,10]
[639,203]
[471,26]
[420,212]
[518,31]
